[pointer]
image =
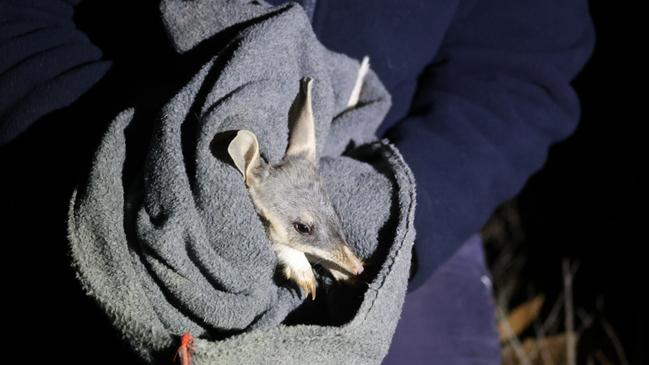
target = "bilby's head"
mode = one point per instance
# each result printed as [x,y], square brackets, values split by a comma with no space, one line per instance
[290,197]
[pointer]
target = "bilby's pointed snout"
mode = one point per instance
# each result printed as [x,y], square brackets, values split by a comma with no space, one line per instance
[348,260]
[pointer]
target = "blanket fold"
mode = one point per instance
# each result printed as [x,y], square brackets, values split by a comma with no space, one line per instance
[179,247]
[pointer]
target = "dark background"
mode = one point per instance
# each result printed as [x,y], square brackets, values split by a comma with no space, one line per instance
[587,203]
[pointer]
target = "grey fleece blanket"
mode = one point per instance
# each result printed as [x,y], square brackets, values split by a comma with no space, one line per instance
[180,246]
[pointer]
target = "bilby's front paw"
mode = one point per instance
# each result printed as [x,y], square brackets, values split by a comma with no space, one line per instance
[303,277]
[296,267]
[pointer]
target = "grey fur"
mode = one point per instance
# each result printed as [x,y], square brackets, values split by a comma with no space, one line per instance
[183,247]
[294,191]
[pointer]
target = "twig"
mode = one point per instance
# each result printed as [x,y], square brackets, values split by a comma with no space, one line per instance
[512,339]
[546,357]
[569,316]
[539,333]
[505,271]
[552,317]
[520,318]
[585,319]
[610,332]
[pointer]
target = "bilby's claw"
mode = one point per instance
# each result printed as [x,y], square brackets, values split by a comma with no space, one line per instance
[296,268]
[310,289]
[303,277]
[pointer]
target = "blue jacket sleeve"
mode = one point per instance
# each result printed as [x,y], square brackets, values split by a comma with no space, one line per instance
[487,108]
[46,62]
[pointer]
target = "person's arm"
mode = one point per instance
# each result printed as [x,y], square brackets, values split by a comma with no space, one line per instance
[487,109]
[46,62]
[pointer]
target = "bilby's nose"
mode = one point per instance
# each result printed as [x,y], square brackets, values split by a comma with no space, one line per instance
[359,269]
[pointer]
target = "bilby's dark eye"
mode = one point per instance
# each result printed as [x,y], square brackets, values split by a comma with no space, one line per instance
[302,228]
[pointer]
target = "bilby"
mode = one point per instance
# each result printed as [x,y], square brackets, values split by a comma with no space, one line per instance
[300,220]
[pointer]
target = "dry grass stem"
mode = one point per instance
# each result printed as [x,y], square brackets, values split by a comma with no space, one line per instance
[512,340]
[552,319]
[521,317]
[553,346]
[617,345]
[569,313]
[546,356]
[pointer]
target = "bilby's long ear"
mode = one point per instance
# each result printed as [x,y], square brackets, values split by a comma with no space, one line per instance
[302,128]
[244,151]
